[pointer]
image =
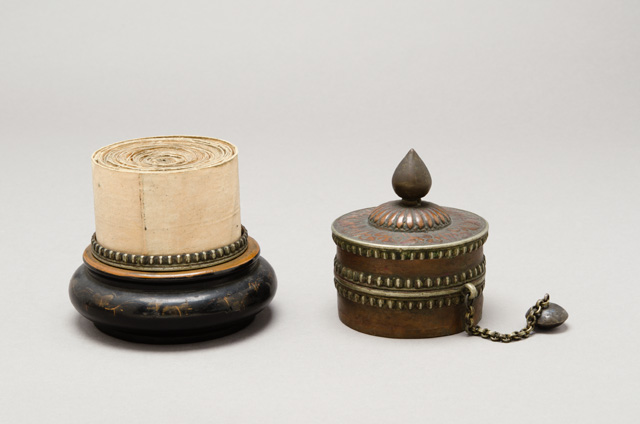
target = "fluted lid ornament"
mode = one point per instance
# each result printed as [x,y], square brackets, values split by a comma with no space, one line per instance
[411,181]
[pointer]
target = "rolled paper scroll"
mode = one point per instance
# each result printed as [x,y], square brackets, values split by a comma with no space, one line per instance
[166,195]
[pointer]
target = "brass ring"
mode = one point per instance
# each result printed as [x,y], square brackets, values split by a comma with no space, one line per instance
[473,292]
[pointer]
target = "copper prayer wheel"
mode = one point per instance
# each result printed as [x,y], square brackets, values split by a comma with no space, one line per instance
[401,268]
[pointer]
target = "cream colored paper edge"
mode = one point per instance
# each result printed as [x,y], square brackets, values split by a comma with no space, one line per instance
[167,213]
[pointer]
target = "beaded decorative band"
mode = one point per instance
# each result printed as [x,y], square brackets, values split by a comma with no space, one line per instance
[180,262]
[400,283]
[397,300]
[404,253]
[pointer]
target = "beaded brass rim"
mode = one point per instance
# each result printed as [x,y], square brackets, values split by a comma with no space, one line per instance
[411,253]
[403,300]
[399,283]
[179,262]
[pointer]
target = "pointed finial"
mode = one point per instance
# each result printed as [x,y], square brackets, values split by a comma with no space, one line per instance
[411,179]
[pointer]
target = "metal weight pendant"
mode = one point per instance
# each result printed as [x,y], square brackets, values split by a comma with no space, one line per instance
[552,316]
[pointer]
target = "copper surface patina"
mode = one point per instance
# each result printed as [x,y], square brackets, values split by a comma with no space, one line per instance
[400,268]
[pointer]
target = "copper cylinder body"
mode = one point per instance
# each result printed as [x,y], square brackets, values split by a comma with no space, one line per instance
[418,298]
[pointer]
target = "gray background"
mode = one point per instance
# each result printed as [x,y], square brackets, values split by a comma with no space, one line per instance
[526,112]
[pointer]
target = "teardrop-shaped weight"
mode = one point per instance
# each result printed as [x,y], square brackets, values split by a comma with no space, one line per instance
[552,316]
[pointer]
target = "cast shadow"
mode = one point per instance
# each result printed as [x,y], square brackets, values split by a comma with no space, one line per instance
[90,332]
[551,331]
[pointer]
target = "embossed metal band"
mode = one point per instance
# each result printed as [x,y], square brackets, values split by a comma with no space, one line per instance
[405,253]
[170,262]
[403,300]
[382,281]
[394,216]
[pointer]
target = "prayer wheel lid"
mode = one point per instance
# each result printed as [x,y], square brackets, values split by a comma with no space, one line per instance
[411,227]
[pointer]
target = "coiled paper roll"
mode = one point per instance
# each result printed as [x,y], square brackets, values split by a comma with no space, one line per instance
[166,195]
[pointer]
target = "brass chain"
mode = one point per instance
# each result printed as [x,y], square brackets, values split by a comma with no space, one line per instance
[532,318]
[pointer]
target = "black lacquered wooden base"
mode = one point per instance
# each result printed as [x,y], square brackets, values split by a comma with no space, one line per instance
[172,337]
[166,308]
